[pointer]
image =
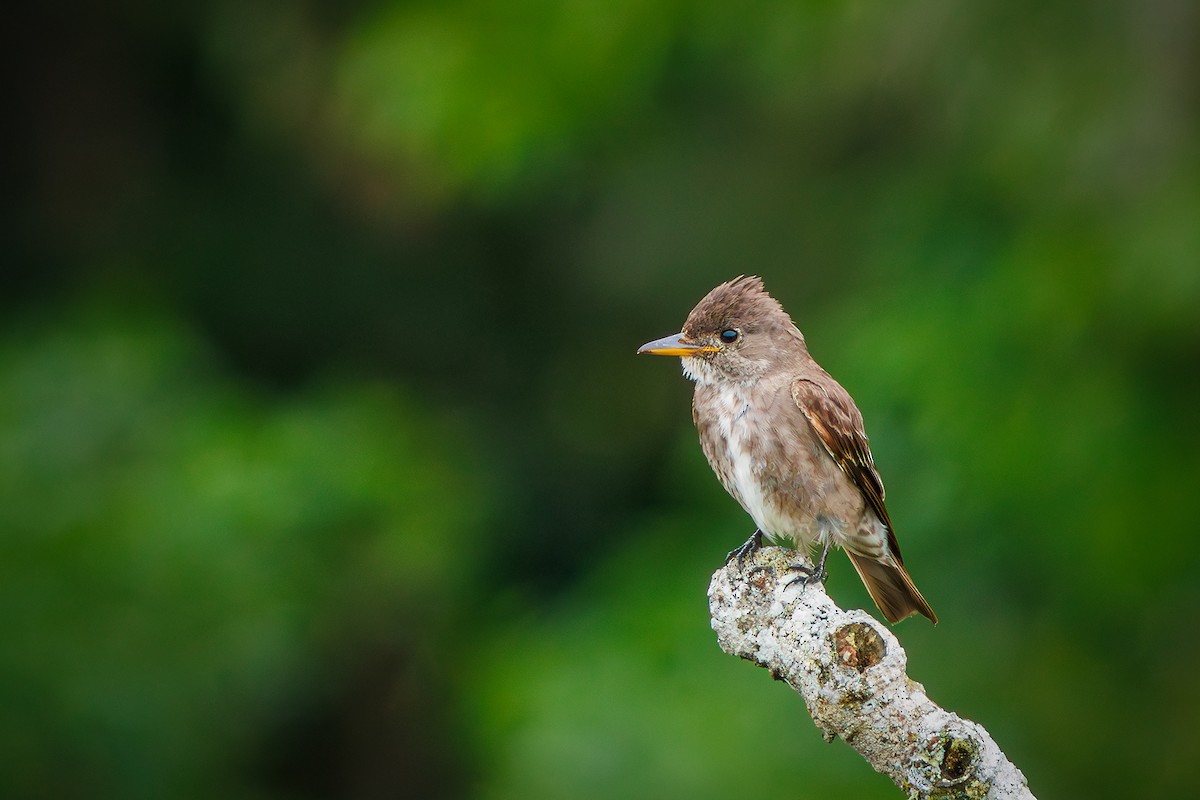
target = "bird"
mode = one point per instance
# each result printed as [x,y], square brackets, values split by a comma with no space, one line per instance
[787,441]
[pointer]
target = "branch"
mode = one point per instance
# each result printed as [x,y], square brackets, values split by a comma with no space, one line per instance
[850,670]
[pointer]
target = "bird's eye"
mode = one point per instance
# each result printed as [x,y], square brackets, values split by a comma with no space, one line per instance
[729,336]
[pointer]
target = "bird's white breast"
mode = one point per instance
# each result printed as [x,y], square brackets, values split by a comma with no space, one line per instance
[745,466]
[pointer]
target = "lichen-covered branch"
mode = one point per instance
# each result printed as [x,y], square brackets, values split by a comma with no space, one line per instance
[850,670]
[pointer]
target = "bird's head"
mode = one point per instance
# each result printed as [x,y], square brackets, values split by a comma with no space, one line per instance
[737,332]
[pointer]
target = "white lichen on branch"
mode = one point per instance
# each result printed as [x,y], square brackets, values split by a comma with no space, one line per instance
[851,672]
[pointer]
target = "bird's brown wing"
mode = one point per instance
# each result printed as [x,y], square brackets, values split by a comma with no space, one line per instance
[839,425]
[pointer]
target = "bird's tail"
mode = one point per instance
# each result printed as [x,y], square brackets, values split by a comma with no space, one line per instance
[891,588]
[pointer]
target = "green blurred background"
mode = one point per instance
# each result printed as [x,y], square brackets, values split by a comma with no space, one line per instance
[327,469]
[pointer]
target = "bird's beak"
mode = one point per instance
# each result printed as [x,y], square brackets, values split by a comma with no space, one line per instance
[674,345]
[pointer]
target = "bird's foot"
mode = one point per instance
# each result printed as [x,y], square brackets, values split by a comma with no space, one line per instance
[811,574]
[805,574]
[747,549]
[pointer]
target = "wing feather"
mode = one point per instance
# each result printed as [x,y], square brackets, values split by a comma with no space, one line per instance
[839,425]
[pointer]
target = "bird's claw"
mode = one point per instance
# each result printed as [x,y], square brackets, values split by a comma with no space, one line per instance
[748,548]
[811,574]
[807,574]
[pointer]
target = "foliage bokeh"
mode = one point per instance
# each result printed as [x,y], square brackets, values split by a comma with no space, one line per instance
[327,470]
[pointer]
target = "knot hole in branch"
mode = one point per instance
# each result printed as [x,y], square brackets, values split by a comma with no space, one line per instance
[859,646]
[946,766]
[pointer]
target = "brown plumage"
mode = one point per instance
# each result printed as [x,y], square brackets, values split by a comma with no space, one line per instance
[786,440]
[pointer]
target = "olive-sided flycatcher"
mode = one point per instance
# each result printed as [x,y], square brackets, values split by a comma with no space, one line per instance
[786,440]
